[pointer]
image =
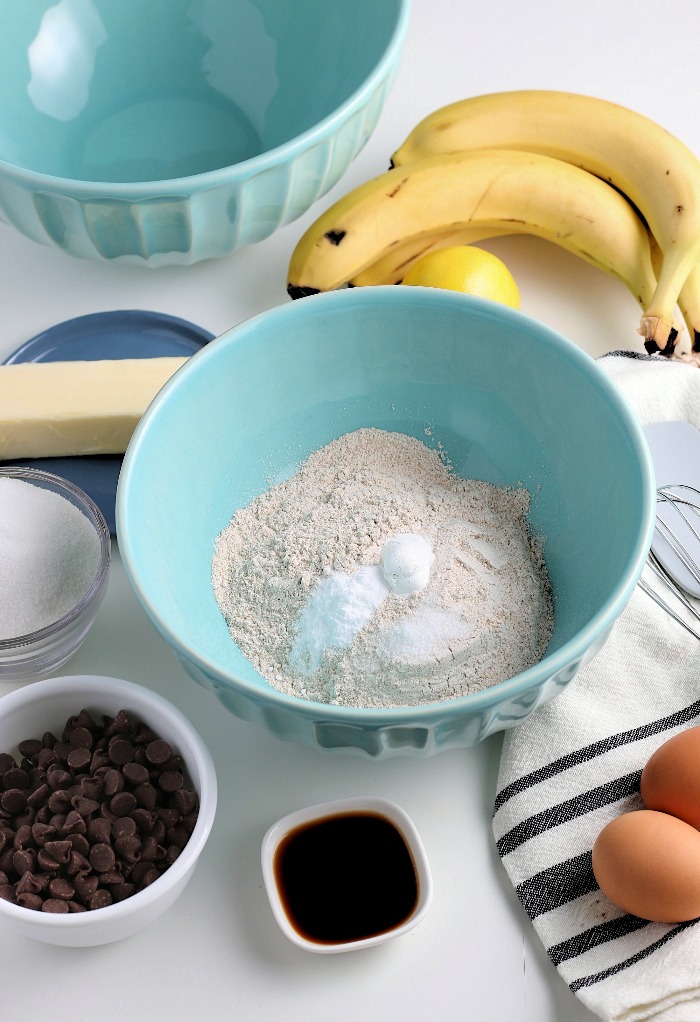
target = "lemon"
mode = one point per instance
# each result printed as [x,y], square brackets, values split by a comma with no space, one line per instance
[465,268]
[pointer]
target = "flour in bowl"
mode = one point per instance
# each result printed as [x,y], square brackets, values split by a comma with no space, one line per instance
[377,577]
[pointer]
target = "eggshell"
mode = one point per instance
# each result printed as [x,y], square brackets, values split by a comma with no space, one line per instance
[648,864]
[671,778]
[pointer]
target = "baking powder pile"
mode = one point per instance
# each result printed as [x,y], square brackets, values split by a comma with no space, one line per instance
[485,615]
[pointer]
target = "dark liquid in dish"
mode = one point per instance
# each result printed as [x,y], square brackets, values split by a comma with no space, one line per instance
[346,877]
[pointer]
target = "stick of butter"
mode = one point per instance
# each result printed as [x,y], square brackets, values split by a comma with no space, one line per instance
[51,409]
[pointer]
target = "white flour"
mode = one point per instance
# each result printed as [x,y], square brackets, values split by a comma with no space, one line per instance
[485,615]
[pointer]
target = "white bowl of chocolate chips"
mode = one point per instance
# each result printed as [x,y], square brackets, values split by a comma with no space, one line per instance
[107,798]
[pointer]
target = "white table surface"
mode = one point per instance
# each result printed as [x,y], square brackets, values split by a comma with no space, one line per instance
[218,954]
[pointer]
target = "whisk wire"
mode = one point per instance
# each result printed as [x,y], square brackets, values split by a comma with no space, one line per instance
[687,507]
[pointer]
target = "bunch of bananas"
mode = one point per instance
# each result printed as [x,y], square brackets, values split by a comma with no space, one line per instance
[598,179]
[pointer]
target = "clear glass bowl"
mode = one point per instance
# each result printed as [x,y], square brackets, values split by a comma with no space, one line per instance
[39,653]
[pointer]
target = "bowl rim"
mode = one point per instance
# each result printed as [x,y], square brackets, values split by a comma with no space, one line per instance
[83,502]
[84,685]
[236,172]
[426,713]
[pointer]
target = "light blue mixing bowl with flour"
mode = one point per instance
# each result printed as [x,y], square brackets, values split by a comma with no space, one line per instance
[511,402]
[170,131]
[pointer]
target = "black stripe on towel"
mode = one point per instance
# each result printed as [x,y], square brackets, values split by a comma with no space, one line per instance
[584,803]
[594,750]
[598,977]
[594,936]
[557,885]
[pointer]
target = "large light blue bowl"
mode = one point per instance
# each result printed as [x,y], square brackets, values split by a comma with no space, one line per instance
[170,131]
[511,401]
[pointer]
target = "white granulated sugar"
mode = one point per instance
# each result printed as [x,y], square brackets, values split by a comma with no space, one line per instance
[298,577]
[49,557]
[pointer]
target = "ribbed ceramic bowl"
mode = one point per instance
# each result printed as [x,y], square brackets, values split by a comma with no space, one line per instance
[46,705]
[172,131]
[511,402]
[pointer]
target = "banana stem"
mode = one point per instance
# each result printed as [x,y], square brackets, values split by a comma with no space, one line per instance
[688,297]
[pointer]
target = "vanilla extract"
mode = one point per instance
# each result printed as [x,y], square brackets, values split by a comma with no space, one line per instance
[346,878]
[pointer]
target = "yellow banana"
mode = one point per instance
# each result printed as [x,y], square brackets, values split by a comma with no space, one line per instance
[689,304]
[390,269]
[659,174]
[470,196]
[688,299]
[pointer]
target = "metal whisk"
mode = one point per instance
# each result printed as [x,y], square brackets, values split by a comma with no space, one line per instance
[677,530]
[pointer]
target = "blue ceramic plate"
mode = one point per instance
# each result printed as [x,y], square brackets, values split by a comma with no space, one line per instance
[119,334]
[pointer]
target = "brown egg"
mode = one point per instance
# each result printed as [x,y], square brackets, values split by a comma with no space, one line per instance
[648,864]
[671,778]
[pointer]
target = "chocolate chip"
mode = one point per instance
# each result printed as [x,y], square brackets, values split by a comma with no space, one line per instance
[62,750]
[29,900]
[81,738]
[75,906]
[79,758]
[59,888]
[77,864]
[124,826]
[23,836]
[144,735]
[75,823]
[79,843]
[120,751]
[84,806]
[7,893]
[102,857]
[143,819]
[119,724]
[91,787]
[135,773]
[184,801]
[57,821]
[6,762]
[30,747]
[99,761]
[42,832]
[24,861]
[148,878]
[99,831]
[85,886]
[33,883]
[39,796]
[146,795]
[112,782]
[123,804]
[54,905]
[15,777]
[59,851]
[111,876]
[26,816]
[121,891]
[57,777]
[158,752]
[178,836]
[171,780]
[128,848]
[46,758]
[13,801]
[100,899]
[59,801]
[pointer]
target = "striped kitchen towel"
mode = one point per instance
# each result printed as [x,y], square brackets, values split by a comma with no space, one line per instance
[575,764]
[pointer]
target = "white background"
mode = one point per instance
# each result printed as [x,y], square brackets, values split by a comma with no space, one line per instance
[218,953]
